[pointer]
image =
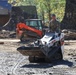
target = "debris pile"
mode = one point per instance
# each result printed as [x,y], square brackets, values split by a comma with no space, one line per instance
[7,34]
[69,34]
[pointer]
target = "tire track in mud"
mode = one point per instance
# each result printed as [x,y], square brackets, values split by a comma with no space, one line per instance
[1,68]
[15,66]
[47,69]
[25,68]
[10,63]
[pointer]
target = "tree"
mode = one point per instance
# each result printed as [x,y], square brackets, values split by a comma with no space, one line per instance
[69,20]
[52,6]
[44,7]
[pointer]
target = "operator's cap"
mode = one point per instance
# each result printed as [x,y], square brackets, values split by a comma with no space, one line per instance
[53,15]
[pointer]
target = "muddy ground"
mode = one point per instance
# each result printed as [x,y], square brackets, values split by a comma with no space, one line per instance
[14,63]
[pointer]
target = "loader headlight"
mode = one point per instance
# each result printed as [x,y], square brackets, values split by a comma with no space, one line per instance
[39,42]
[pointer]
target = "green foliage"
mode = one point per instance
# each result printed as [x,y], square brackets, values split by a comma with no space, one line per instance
[44,7]
[59,8]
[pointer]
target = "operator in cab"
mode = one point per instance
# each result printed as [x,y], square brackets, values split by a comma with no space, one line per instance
[54,25]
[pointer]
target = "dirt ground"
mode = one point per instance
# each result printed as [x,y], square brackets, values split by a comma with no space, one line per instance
[14,63]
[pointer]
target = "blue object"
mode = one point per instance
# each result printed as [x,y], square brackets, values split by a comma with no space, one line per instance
[5,4]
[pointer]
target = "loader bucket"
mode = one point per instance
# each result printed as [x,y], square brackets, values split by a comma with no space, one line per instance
[30,51]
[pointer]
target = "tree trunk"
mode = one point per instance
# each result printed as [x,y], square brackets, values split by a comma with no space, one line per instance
[43,15]
[49,10]
[69,20]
